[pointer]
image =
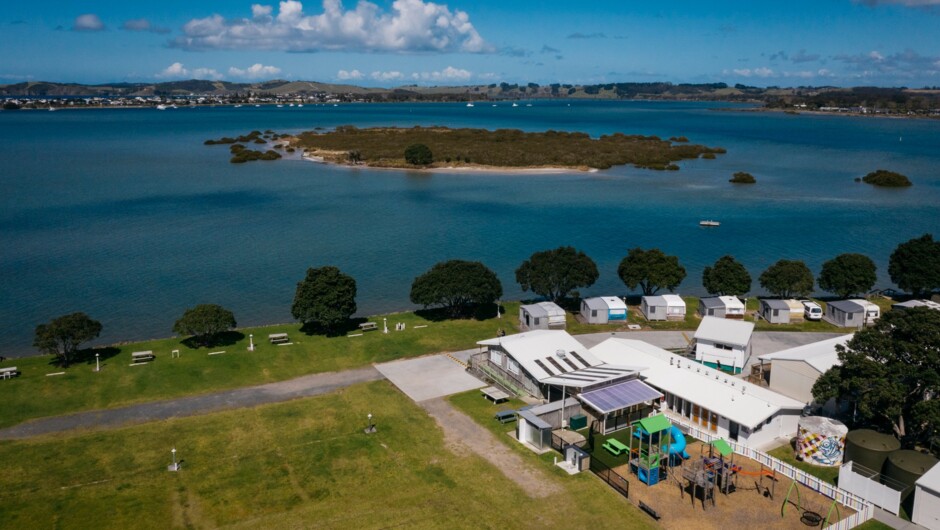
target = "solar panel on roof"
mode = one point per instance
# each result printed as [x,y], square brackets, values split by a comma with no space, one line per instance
[620,396]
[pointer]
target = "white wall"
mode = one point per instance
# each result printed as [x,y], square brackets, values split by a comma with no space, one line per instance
[794,379]
[706,351]
[926,508]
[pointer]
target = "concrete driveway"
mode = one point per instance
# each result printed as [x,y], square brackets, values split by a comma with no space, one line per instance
[432,376]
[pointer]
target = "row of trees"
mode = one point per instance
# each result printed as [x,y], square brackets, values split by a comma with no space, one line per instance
[326,298]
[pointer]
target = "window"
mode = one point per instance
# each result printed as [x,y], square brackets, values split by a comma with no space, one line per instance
[513,367]
[536,321]
[776,312]
[496,357]
[594,312]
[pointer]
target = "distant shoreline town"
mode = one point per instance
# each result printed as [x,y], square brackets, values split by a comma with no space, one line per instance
[856,101]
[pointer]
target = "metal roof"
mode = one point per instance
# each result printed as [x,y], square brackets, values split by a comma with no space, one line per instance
[595,303]
[654,424]
[737,400]
[820,355]
[734,332]
[931,479]
[534,420]
[655,301]
[731,302]
[847,306]
[619,396]
[544,309]
[776,304]
[593,376]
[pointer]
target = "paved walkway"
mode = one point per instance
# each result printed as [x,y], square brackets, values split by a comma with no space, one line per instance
[309,385]
[431,376]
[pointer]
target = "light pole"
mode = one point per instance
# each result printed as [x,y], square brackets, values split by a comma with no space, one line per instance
[97,363]
[498,314]
[384,326]
[371,428]
[175,466]
[251,342]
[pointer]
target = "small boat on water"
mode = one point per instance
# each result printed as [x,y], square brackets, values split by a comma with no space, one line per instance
[161,107]
[469,103]
[709,222]
[515,104]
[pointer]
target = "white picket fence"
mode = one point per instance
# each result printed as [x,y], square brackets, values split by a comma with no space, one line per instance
[863,509]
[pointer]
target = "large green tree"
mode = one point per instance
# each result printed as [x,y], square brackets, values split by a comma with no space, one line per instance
[847,274]
[205,322]
[915,265]
[889,374]
[456,285]
[554,273]
[62,336]
[727,277]
[419,155]
[787,278]
[325,297]
[651,269]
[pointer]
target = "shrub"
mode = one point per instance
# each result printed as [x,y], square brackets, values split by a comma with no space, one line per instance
[886,178]
[418,155]
[742,177]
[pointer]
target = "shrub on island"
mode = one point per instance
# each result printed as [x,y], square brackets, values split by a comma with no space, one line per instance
[885,178]
[742,177]
[678,139]
[250,155]
[418,155]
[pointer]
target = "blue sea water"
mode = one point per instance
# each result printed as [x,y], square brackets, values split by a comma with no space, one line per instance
[125,215]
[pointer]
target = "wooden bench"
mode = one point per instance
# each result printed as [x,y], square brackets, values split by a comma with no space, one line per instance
[505,416]
[653,513]
[8,372]
[278,338]
[368,326]
[615,446]
[142,356]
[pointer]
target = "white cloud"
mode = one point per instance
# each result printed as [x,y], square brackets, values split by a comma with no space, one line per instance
[876,56]
[254,71]
[393,75]
[88,22]
[178,71]
[447,74]
[346,75]
[756,72]
[410,26]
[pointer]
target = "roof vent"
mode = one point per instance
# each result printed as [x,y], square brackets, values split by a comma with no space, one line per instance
[742,389]
[560,354]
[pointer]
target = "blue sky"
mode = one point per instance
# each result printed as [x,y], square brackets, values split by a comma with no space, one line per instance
[385,43]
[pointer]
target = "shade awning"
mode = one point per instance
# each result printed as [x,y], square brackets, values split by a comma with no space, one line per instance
[619,396]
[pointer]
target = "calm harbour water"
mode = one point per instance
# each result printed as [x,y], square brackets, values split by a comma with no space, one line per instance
[125,215]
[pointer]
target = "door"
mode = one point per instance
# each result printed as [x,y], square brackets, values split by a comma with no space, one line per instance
[733,431]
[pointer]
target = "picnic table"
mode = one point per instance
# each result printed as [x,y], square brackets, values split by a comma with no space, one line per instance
[142,356]
[494,394]
[278,338]
[368,326]
[506,416]
[8,372]
[615,446]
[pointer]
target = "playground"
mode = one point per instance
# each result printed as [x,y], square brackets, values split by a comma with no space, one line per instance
[712,487]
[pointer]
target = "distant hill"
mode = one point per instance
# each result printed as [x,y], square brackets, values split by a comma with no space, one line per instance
[856,99]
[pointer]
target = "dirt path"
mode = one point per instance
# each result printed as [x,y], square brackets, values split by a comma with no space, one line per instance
[309,385]
[463,435]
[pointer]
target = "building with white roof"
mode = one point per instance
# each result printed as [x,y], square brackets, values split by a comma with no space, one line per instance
[723,344]
[602,309]
[663,307]
[543,315]
[714,400]
[916,303]
[541,362]
[927,499]
[794,371]
[721,307]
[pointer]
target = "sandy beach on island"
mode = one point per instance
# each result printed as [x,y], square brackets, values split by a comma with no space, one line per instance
[459,169]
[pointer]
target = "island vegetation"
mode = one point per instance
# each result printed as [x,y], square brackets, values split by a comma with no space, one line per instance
[742,177]
[887,179]
[443,147]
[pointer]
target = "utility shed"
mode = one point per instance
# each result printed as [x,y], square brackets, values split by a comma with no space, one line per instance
[721,307]
[927,499]
[775,311]
[794,371]
[723,344]
[664,307]
[602,309]
[543,315]
[844,314]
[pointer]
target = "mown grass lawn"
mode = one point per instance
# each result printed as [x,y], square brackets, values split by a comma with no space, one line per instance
[602,500]
[301,464]
[785,453]
[34,394]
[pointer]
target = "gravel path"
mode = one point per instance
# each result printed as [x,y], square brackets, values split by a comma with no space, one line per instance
[309,385]
[462,434]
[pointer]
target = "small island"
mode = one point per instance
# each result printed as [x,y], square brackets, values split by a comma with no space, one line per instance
[503,149]
[887,179]
[742,177]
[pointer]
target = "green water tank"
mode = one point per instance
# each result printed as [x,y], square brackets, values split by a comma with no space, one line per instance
[578,421]
[906,466]
[869,448]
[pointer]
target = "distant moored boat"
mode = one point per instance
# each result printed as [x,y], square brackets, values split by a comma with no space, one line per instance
[709,222]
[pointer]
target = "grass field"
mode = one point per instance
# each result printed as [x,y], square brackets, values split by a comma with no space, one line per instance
[301,464]
[34,395]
